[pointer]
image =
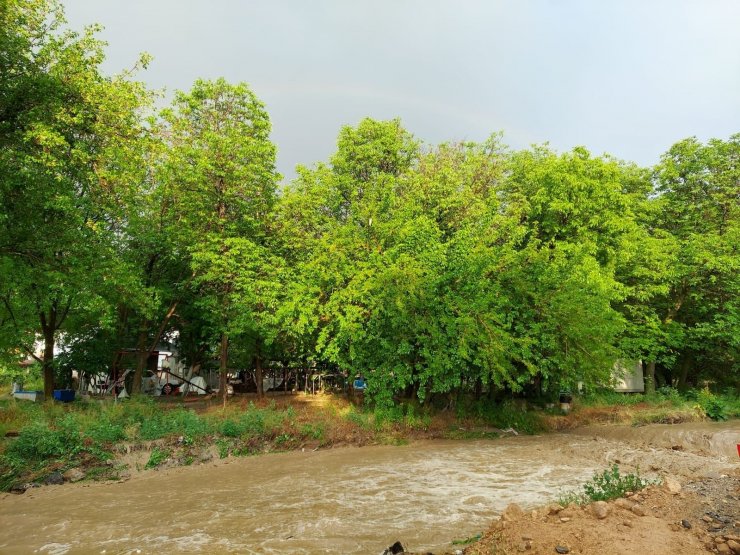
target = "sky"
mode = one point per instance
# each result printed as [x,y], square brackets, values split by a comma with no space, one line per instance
[627,77]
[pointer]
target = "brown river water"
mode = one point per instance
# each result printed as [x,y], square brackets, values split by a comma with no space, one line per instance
[348,500]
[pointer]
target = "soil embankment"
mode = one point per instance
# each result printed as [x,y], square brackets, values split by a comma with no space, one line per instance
[696,510]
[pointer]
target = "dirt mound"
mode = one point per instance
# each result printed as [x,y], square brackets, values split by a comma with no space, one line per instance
[701,516]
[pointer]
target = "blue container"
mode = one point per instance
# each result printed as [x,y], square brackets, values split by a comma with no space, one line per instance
[64,395]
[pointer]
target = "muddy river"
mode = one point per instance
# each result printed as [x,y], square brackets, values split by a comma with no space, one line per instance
[349,500]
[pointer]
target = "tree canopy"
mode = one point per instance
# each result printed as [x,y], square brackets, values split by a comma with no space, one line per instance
[429,269]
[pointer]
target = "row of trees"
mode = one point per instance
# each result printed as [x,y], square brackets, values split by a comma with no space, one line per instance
[430,269]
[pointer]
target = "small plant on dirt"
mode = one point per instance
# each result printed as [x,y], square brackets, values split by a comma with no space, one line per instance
[466,541]
[157,457]
[224,448]
[313,431]
[609,484]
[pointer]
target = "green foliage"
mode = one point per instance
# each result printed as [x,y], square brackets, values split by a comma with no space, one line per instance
[359,418]
[457,268]
[609,484]
[502,415]
[157,457]
[712,405]
[466,541]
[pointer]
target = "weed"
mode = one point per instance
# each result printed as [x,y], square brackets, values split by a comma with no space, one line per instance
[609,484]
[358,418]
[313,431]
[224,448]
[466,541]
[282,439]
[157,457]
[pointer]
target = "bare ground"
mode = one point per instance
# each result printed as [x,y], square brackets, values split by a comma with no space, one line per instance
[704,516]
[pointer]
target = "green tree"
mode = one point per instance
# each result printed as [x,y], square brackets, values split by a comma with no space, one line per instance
[697,186]
[220,166]
[63,131]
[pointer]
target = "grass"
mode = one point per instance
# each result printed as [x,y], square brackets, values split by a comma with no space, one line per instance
[56,436]
[668,405]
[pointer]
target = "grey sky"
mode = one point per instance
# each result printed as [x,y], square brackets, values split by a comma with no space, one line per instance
[624,77]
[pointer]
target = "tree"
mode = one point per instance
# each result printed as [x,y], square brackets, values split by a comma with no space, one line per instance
[220,167]
[64,129]
[698,200]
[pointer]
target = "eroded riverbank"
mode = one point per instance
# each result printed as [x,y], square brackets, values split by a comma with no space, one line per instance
[350,500]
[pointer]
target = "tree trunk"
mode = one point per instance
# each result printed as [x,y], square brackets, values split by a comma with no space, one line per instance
[649,376]
[49,328]
[141,357]
[258,374]
[222,366]
[48,364]
[683,376]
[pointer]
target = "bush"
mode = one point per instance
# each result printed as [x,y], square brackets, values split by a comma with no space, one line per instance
[609,484]
[508,414]
[713,406]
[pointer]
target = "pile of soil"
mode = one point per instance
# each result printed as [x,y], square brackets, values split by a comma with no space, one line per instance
[700,516]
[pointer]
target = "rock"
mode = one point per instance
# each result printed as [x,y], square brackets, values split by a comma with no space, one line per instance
[686,524]
[73,475]
[600,509]
[723,548]
[54,479]
[512,512]
[623,504]
[627,523]
[639,510]
[707,518]
[734,546]
[394,549]
[18,489]
[671,485]
[562,549]
[553,509]
[564,519]
[570,511]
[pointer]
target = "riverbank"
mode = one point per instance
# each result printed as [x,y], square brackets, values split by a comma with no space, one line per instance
[107,440]
[698,516]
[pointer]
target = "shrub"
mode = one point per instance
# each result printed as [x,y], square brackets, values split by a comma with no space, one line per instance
[714,407]
[609,484]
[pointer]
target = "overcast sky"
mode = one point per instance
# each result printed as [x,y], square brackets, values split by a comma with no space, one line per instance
[624,77]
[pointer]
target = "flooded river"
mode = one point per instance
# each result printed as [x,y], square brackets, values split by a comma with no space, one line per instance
[349,500]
